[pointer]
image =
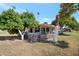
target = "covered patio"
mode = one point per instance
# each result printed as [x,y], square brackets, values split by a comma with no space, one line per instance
[42,28]
[43,32]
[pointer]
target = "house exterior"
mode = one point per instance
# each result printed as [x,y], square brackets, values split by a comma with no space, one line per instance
[43,32]
[43,28]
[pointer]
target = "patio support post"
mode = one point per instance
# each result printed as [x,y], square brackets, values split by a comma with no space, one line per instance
[33,30]
[40,29]
[45,29]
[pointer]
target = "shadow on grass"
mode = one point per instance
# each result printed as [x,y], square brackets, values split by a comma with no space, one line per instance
[62,44]
[45,41]
[64,34]
[2,38]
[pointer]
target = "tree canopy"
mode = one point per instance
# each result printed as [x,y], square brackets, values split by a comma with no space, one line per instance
[65,14]
[11,20]
[67,9]
[29,20]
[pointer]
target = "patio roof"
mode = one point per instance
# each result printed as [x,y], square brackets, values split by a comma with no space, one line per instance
[46,26]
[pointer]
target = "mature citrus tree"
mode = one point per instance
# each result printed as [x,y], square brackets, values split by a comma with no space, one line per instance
[14,22]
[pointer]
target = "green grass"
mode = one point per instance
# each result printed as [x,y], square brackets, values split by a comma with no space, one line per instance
[17,47]
[5,33]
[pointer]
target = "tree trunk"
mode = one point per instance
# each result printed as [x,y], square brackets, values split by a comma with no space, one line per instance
[22,35]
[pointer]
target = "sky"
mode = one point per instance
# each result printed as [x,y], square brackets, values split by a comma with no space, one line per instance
[47,11]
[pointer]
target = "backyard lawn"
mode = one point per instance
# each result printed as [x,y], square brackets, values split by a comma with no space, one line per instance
[68,44]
